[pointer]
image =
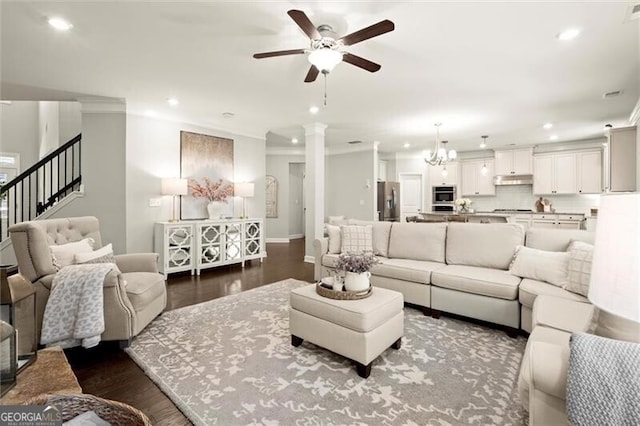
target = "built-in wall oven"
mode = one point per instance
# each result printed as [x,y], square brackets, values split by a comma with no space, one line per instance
[443,198]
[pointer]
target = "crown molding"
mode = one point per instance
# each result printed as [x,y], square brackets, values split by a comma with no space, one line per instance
[91,105]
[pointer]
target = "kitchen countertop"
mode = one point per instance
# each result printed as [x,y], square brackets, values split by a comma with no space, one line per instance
[521,212]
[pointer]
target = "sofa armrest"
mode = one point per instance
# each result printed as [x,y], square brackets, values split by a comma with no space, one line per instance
[137,262]
[320,248]
[562,314]
[548,365]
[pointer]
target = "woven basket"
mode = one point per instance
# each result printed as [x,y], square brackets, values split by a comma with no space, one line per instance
[114,412]
[343,294]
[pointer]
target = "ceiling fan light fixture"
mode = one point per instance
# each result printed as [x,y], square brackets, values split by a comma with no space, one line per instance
[325,59]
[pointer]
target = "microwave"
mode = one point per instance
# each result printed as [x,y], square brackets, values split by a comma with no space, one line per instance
[442,208]
[443,194]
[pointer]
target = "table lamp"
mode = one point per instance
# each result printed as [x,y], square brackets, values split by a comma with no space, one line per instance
[615,274]
[174,187]
[244,190]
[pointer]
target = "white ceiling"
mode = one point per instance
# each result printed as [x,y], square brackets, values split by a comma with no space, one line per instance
[480,68]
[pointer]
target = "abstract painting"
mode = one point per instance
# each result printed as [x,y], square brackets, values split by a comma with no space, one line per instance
[207,163]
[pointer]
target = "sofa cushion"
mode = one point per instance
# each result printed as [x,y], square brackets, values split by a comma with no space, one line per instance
[542,265]
[579,276]
[556,239]
[335,240]
[418,271]
[418,241]
[356,239]
[487,245]
[477,280]
[64,254]
[381,232]
[143,288]
[530,289]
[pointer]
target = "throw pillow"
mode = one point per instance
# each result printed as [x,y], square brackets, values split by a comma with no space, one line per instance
[356,239]
[580,257]
[63,255]
[102,255]
[337,220]
[335,241]
[541,265]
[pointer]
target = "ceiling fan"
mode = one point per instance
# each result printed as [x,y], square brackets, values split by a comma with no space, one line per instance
[326,49]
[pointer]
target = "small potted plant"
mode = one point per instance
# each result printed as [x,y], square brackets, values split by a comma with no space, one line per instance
[464,204]
[357,269]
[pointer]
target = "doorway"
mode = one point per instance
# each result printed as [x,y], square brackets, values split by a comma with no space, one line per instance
[411,195]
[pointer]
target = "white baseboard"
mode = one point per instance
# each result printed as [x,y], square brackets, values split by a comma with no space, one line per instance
[277,240]
[296,236]
[310,259]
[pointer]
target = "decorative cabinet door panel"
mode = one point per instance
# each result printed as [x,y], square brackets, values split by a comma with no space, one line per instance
[210,244]
[253,239]
[233,241]
[175,246]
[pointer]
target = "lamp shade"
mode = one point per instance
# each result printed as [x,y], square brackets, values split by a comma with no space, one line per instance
[174,186]
[244,189]
[615,274]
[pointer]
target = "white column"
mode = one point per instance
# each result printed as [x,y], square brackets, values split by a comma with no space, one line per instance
[314,186]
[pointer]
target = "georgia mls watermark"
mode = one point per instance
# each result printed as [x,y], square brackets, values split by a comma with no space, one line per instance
[30,415]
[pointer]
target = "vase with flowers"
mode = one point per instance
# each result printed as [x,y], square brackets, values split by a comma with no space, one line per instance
[464,204]
[216,192]
[357,269]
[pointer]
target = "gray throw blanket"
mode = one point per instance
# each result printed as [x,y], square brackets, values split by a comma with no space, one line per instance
[74,313]
[603,383]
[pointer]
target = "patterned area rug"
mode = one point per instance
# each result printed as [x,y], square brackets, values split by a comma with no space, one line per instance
[229,361]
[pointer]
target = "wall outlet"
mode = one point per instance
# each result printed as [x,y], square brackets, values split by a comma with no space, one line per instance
[155,202]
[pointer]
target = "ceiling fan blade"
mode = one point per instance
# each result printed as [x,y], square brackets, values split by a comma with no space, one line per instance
[369,32]
[312,74]
[361,62]
[305,24]
[279,53]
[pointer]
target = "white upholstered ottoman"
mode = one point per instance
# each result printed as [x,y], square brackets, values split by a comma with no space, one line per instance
[356,329]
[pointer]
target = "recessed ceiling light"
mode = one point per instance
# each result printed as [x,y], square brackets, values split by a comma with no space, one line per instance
[569,34]
[294,140]
[553,137]
[406,145]
[548,125]
[60,24]
[314,109]
[173,101]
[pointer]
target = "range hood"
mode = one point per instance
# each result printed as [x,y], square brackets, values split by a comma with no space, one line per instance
[513,180]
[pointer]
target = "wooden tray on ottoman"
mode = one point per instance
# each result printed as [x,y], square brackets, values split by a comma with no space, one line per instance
[343,294]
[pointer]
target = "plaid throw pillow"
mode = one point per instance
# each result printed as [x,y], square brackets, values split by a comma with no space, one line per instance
[356,239]
[580,257]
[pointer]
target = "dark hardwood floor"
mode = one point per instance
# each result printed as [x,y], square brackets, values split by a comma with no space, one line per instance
[108,372]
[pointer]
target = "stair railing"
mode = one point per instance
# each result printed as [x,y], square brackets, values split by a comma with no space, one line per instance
[41,186]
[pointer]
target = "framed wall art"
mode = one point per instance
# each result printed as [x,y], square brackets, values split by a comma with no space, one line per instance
[207,163]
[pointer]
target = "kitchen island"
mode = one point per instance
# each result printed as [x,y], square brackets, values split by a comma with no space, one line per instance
[528,219]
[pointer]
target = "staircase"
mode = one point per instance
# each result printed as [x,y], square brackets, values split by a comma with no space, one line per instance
[41,186]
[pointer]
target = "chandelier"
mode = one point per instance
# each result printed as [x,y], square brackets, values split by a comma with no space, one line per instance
[439,156]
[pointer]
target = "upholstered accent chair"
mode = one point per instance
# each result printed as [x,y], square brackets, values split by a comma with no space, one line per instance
[132,298]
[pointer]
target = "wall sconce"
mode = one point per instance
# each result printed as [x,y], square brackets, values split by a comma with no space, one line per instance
[244,190]
[174,187]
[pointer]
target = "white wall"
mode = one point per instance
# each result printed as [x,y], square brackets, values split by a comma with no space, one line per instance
[296,199]
[48,127]
[277,165]
[153,152]
[20,131]
[346,191]
[70,121]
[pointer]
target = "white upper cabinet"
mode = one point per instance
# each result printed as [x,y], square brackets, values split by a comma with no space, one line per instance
[514,161]
[555,174]
[449,178]
[589,172]
[473,181]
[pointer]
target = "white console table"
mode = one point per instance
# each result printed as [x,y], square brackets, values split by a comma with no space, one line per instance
[200,244]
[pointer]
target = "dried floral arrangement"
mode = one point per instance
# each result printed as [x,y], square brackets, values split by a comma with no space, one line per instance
[357,263]
[212,191]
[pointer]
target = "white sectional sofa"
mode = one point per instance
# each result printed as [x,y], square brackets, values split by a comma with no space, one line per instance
[459,268]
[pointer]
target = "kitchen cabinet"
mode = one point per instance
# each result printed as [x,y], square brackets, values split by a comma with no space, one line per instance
[514,161]
[202,244]
[620,159]
[557,221]
[382,170]
[473,182]
[589,172]
[437,178]
[555,174]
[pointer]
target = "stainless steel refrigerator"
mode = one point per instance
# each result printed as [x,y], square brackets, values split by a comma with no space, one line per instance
[389,201]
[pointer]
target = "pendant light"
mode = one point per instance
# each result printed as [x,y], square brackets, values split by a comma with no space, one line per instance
[484,169]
